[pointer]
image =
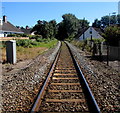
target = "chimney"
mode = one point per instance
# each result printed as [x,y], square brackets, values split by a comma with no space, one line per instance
[5,19]
[27,27]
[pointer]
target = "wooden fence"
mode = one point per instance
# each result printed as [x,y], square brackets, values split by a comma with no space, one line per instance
[112,52]
[12,38]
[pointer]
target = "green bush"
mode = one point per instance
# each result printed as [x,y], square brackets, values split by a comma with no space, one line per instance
[24,43]
[112,35]
[34,36]
[17,35]
[34,43]
[30,46]
[43,40]
[97,40]
[88,48]
[39,40]
[2,44]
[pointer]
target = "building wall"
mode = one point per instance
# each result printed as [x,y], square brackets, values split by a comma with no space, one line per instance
[5,34]
[87,34]
[1,34]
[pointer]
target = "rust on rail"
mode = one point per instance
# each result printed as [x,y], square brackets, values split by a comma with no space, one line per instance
[64,85]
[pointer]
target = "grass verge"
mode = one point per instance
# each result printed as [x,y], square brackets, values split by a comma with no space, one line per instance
[24,53]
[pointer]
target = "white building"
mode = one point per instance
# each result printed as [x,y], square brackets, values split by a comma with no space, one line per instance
[7,28]
[119,7]
[90,33]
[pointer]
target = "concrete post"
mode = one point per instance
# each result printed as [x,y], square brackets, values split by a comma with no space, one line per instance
[11,51]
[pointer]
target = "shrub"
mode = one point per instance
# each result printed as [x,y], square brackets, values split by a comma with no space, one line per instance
[112,35]
[97,40]
[34,43]
[39,40]
[24,43]
[31,43]
[30,46]
[17,35]
[11,35]
[2,44]
[35,36]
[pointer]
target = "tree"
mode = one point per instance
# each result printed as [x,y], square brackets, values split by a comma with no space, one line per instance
[53,28]
[96,23]
[112,35]
[70,26]
[118,19]
[106,20]
[46,29]
[83,23]
[62,32]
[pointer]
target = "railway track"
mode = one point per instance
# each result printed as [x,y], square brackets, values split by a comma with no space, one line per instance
[65,89]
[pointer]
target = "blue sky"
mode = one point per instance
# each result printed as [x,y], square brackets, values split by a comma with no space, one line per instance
[28,13]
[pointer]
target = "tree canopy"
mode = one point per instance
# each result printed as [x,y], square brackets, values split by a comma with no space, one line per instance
[70,26]
[46,29]
[67,28]
[111,28]
[106,20]
[112,35]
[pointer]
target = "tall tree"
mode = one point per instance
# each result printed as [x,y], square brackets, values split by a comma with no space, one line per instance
[106,21]
[53,28]
[46,29]
[96,23]
[112,35]
[70,26]
[118,19]
[62,32]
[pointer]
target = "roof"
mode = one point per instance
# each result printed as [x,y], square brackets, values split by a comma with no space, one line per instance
[26,31]
[8,27]
[81,32]
[98,30]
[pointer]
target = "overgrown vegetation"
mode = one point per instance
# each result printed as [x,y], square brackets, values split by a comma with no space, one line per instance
[112,35]
[28,49]
[36,43]
[106,21]
[70,27]
[25,53]
[110,25]
[45,29]
[81,44]
[96,40]
[65,30]
[17,35]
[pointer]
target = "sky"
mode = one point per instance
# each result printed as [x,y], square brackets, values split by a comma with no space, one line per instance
[28,13]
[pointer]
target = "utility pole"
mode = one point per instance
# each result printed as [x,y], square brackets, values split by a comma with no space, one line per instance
[91,32]
[110,17]
[107,54]
[83,28]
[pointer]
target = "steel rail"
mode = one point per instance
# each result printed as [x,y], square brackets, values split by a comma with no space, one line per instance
[93,106]
[36,105]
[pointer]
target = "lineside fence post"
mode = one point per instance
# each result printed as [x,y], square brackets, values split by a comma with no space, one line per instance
[107,54]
